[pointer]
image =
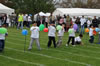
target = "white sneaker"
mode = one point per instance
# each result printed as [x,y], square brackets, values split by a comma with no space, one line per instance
[73,45]
[66,45]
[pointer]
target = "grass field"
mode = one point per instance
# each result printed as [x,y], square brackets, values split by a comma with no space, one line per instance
[14,55]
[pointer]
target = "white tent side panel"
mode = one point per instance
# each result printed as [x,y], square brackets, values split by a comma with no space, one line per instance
[6,10]
[57,12]
[9,12]
[77,12]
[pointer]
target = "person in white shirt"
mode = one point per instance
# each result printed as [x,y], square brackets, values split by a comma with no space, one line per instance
[29,21]
[78,40]
[34,36]
[89,22]
[51,35]
[73,20]
[8,20]
[91,40]
[2,41]
[60,35]
[71,36]
[46,21]
[82,20]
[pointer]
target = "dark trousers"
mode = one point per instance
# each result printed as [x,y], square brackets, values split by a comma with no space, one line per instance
[2,43]
[73,40]
[46,24]
[77,43]
[50,41]
[25,23]
[38,23]
[91,39]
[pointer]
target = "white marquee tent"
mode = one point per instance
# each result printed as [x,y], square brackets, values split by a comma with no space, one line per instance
[77,12]
[6,10]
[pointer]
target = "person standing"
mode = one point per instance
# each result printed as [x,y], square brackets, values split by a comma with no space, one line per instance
[95,22]
[51,35]
[91,40]
[82,20]
[34,36]
[0,20]
[13,19]
[20,21]
[89,22]
[71,36]
[68,22]
[29,21]
[25,18]
[78,24]
[46,21]
[60,35]
[73,20]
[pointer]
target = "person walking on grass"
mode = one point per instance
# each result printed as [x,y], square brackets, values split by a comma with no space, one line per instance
[91,40]
[71,36]
[2,41]
[51,34]
[60,35]
[34,36]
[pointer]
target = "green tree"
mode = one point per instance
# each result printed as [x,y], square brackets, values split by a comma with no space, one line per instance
[32,6]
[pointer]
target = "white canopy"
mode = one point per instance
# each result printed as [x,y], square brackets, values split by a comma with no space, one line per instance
[42,14]
[5,9]
[77,12]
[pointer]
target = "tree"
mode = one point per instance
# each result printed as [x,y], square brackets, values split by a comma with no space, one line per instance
[32,6]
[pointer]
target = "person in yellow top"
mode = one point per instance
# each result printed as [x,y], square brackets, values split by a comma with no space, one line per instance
[20,21]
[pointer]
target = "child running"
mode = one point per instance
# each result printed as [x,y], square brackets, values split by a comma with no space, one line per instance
[71,36]
[51,34]
[91,40]
[34,36]
[2,41]
[60,35]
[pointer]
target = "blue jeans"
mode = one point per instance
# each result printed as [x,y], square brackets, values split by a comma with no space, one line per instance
[82,29]
[2,43]
[20,25]
[91,39]
[78,29]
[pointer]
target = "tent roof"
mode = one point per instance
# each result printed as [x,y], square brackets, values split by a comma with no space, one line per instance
[5,9]
[77,12]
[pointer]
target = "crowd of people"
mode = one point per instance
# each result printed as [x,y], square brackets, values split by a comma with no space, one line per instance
[25,20]
[50,22]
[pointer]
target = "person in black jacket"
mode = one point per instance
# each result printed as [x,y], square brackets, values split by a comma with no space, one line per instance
[95,22]
[78,24]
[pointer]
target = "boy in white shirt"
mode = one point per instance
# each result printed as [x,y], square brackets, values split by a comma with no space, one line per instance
[2,41]
[34,36]
[91,40]
[71,36]
[78,40]
[60,35]
[51,35]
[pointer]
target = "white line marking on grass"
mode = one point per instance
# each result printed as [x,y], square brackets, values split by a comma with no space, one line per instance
[51,57]
[61,52]
[74,48]
[87,50]
[94,47]
[26,62]
[41,37]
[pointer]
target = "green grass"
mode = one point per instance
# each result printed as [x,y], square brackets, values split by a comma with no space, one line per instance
[14,55]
